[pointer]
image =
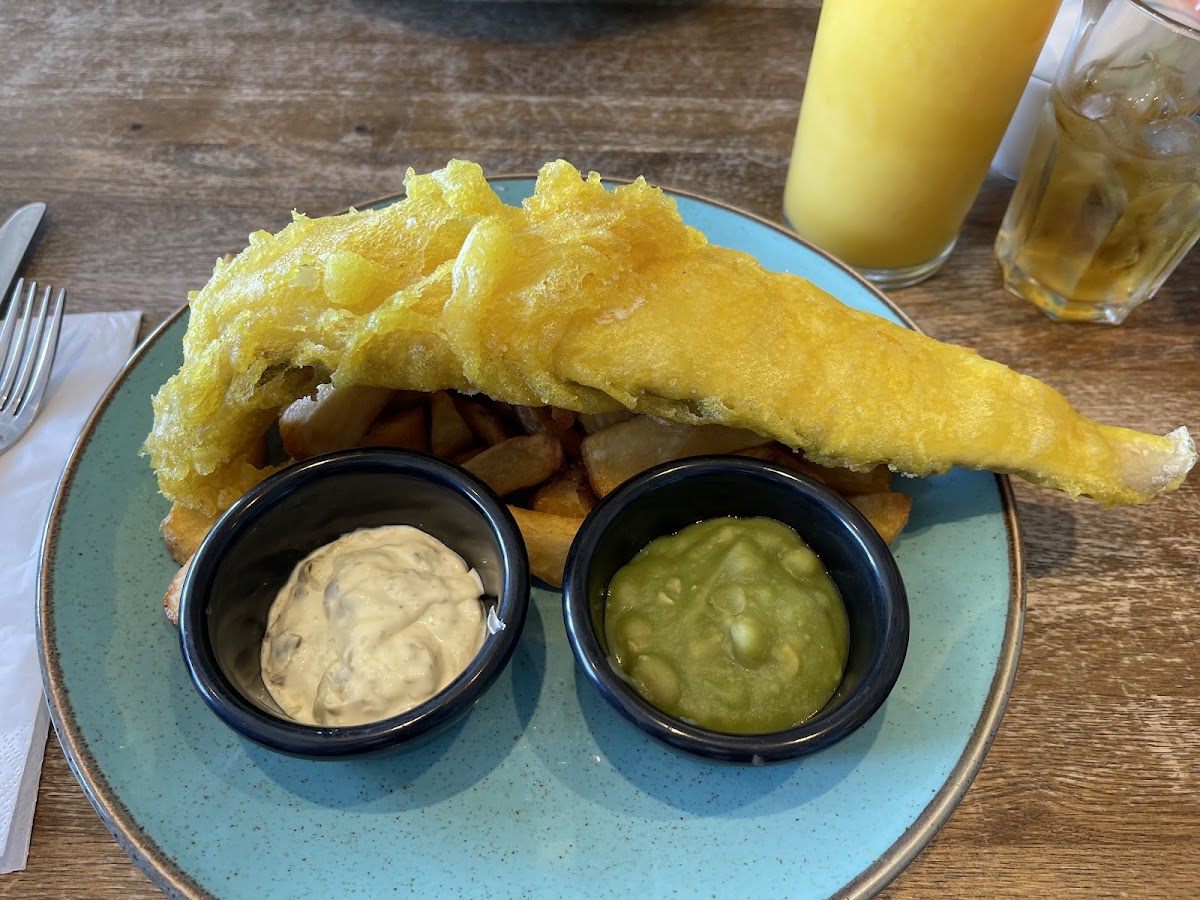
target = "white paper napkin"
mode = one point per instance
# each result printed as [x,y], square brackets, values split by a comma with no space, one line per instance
[92,349]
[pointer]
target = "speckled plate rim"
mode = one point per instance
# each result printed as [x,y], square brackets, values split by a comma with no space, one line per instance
[174,881]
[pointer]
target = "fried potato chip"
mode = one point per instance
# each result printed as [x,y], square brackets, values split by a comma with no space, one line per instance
[620,451]
[544,418]
[777,454]
[405,400]
[888,512]
[553,420]
[845,481]
[448,432]
[516,463]
[406,429]
[183,529]
[590,422]
[572,444]
[336,418]
[547,540]
[567,494]
[463,456]
[475,432]
[848,482]
[486,424]
[174,591]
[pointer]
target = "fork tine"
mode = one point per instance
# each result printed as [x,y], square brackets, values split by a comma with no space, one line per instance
[15,350]
[45,354]
[9,320]
[32,353]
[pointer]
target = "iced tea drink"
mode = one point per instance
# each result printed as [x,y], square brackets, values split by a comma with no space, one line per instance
[1109,199]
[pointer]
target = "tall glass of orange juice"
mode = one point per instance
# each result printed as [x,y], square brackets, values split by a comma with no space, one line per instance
[905,103]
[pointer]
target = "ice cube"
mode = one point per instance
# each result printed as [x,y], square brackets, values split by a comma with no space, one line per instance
[1172,137]
[1142,87]
[1150,98]
[1094,105]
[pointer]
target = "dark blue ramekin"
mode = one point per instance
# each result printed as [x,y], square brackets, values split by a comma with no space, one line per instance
[670,497]
[251,550]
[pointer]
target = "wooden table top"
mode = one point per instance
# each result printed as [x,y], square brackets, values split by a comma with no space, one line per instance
[160,137]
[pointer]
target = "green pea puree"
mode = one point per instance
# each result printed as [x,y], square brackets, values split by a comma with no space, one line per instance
[732,624]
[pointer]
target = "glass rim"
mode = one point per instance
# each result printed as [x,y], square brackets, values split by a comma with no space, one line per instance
[1166,17]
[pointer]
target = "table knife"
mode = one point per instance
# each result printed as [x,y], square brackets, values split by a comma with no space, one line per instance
[15,235]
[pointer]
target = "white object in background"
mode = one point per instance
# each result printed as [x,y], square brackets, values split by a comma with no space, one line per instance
[92,349]
[1022,128]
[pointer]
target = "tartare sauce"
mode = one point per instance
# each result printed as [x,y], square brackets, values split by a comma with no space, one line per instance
[370,626]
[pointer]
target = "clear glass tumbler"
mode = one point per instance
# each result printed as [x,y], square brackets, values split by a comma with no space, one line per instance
[1108,201]
[904,106]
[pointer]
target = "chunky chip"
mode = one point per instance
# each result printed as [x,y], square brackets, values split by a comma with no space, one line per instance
[548,540]
[332,419]
[615,454]
[521,453]
[516,463]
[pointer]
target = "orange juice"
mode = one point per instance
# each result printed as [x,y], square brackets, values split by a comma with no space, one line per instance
[905,104]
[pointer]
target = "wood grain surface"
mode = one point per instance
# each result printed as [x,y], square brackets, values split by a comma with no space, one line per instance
[161,134]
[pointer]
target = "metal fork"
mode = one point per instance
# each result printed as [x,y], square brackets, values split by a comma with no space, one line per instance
[26,357]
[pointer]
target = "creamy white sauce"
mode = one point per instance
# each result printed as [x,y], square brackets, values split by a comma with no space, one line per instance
[370,626]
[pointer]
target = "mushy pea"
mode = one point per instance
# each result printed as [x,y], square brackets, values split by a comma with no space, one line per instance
[732,624]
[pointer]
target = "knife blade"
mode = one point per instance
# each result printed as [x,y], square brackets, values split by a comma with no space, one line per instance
[15,235]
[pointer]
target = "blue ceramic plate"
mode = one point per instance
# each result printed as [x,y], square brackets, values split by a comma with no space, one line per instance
[543,789]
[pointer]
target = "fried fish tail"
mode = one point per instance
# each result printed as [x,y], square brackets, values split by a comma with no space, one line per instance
[1148,465]
[740,346]
[597,300]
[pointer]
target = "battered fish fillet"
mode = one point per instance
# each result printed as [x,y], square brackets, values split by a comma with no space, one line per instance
[594,300]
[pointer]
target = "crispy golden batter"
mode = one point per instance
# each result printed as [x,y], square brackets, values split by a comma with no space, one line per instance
[594,300]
